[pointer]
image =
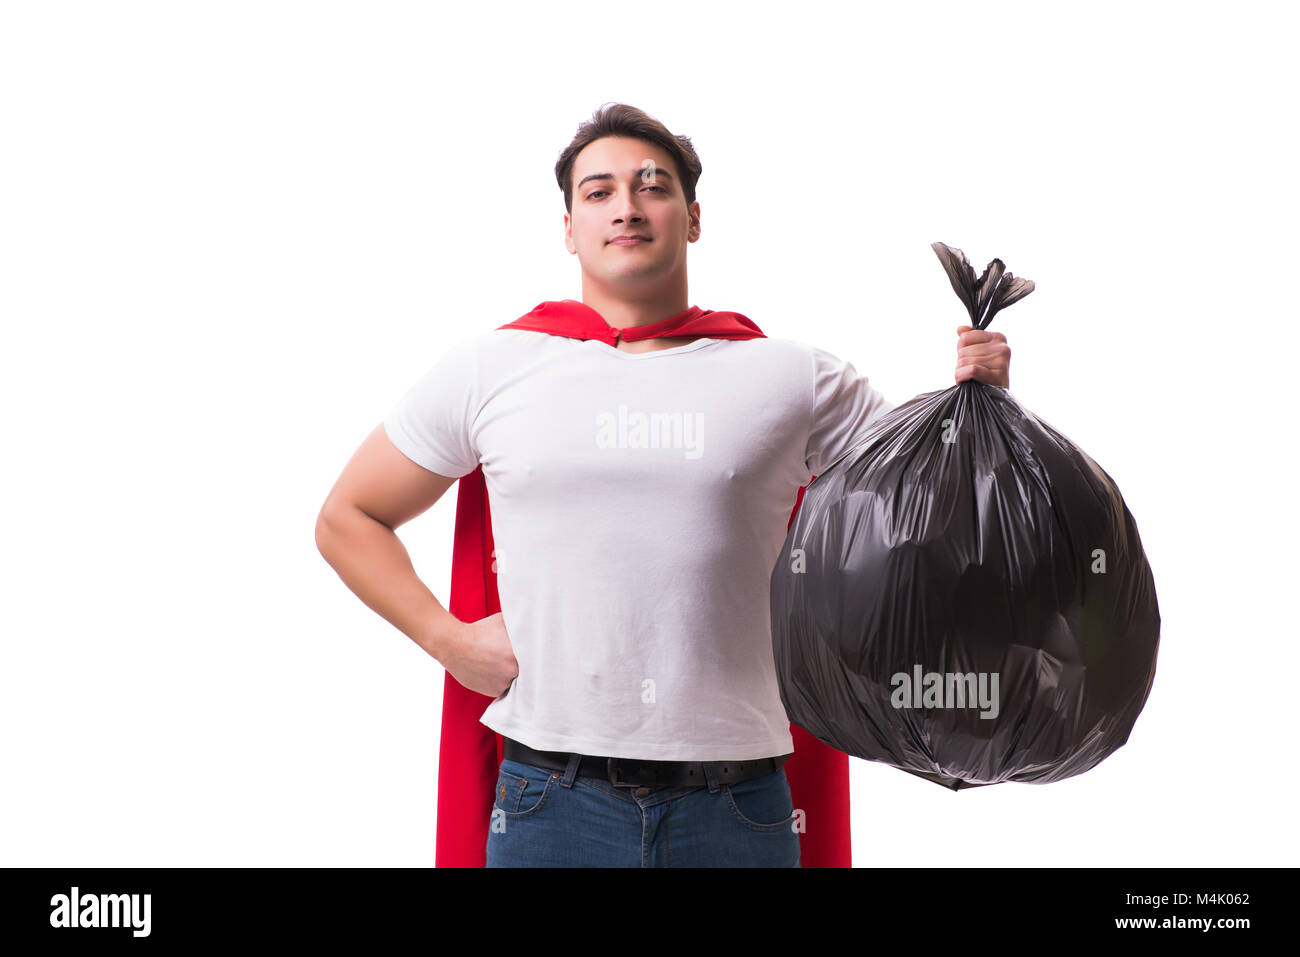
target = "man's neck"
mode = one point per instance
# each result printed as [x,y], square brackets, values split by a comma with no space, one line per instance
[622,313]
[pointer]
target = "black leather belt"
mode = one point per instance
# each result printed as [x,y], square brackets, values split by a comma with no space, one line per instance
[637,772]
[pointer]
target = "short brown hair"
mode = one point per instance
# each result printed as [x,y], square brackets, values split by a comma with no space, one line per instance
[619,119]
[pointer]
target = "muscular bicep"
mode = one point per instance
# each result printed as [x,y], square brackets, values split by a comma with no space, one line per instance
[384,484]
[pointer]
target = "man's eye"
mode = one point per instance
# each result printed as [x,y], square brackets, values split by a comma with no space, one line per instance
[597,192]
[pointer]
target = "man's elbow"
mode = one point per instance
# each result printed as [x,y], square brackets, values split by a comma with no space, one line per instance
[322,534]
[327,526]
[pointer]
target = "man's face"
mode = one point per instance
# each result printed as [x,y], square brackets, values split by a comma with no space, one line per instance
[629,186]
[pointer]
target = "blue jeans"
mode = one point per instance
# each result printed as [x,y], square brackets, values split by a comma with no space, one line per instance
[546,818]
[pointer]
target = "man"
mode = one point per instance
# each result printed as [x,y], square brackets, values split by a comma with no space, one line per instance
[642,457]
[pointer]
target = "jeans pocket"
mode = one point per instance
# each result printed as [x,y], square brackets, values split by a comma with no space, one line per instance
[763,803]
[522,789]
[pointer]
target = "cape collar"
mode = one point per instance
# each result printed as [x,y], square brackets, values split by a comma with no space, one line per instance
[577,320]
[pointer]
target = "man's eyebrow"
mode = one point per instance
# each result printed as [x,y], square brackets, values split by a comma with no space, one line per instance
[658,174]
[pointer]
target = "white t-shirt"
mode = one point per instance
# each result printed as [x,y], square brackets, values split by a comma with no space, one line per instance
[639,502]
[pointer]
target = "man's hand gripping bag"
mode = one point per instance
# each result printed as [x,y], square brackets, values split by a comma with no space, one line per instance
[964,595]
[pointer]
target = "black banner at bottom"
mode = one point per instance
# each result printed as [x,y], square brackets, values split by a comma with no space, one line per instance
[931,906]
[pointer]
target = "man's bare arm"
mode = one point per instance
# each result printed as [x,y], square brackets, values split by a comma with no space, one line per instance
[381,489]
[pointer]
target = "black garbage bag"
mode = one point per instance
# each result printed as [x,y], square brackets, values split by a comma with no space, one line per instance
[964,595]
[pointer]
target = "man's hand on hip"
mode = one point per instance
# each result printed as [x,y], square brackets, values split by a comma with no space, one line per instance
[478,654]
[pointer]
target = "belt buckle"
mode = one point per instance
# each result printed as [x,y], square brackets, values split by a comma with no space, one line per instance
[612,772]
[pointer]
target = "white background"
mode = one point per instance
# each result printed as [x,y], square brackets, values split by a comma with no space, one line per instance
[233,234]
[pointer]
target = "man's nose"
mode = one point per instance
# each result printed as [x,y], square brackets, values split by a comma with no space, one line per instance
[628,210]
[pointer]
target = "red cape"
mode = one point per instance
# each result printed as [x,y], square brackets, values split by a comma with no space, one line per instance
[470,752]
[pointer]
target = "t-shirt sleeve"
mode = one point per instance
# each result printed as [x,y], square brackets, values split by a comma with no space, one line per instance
[433,423]
[845,405]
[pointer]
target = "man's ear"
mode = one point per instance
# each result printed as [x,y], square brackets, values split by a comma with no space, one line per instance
[693,233]
[568,234]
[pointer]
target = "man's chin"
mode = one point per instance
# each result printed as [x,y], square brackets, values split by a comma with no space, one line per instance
[631,273]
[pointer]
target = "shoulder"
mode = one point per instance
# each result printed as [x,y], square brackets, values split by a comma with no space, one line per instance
[773,348]
[800,360]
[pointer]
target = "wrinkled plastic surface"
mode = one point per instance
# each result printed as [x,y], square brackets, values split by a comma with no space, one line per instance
[964,537]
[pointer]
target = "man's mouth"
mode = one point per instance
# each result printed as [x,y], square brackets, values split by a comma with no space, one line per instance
[628,240]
